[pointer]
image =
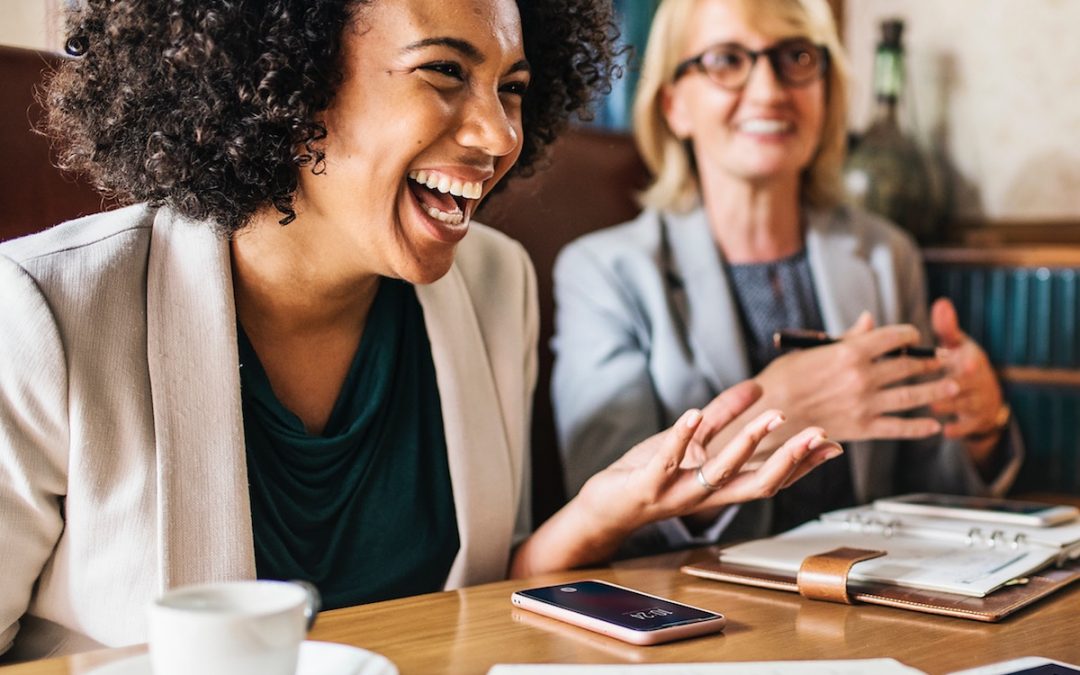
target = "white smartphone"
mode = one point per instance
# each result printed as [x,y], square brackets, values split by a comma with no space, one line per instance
[1027,665]
[621,613]
[1005,511]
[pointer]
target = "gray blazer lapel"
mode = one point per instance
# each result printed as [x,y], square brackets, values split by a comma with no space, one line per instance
[476,442]
[203,508]
[709,315]
[844,280]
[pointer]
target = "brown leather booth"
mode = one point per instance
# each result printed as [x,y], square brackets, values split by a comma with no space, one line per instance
[588,183]
[33,194]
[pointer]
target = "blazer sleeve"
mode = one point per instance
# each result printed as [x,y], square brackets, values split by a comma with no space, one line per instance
[33,441]
[602,393]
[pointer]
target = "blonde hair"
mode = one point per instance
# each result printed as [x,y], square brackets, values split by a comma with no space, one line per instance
[671,161]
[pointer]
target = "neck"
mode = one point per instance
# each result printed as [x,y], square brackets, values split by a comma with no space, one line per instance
[285,280]
[754,222]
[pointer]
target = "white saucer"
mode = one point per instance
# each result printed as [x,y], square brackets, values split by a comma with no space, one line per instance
[316,658]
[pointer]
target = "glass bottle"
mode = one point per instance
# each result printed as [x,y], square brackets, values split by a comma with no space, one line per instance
[886,172]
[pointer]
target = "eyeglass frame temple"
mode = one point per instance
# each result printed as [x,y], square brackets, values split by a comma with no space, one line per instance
[684,66]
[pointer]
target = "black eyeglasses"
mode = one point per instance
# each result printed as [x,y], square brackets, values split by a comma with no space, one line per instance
[796,62]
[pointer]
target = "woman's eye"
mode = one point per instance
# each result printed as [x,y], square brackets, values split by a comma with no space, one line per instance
[514,88]
[724,60]
[447,68]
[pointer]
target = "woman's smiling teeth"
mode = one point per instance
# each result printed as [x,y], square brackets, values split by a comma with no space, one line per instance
[764,126]
[446,210]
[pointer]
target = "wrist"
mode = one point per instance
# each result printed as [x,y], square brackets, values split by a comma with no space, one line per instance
[602,525]
[984,447]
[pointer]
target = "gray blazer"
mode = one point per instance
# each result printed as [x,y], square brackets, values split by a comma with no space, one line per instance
[646,326]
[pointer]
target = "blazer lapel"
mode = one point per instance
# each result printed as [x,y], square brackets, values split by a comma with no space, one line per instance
[843,278]
[476,442]
[203,508]
[709,314]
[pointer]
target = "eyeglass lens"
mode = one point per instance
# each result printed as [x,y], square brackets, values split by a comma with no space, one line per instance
[795,62]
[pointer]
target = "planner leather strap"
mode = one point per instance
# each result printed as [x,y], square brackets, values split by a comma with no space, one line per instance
[825,576]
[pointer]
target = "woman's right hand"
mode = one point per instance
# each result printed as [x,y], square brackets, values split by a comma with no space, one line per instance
[847,388]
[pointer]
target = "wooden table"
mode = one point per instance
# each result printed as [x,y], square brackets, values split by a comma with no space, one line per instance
[470,630]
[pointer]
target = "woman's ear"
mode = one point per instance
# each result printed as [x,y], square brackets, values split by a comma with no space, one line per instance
[676,112]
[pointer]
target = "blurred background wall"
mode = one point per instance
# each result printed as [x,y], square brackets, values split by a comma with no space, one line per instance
[995,84]
[33,24]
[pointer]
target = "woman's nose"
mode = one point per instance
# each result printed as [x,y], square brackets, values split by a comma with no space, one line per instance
[763,83]
[487,126]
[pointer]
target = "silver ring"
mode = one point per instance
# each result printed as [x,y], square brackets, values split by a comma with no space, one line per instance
[705,481]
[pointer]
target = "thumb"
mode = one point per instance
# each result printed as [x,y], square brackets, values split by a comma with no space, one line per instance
[944,323]
[864,324]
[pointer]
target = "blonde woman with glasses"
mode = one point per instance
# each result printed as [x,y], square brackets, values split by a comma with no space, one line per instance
[740,115]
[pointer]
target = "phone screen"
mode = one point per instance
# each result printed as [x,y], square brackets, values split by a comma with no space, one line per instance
[981,503]
[618,605]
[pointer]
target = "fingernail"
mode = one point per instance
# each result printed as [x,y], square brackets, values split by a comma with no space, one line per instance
[834,453]
[692,418]
[818,441]
[775,422]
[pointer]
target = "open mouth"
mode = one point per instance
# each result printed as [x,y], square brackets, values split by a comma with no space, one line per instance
[443,197]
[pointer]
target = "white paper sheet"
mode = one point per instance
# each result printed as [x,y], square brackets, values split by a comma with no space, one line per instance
[841,667]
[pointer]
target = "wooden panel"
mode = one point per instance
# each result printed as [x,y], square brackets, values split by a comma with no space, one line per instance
[1054,377]
[1010,256]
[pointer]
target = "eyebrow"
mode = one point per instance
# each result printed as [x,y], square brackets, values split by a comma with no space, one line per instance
[465,48]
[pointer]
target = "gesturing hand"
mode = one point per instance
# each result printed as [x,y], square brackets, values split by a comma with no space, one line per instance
[976,406]
[849,389]
[670,474]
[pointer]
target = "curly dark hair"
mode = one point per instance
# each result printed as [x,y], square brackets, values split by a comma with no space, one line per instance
[203,104]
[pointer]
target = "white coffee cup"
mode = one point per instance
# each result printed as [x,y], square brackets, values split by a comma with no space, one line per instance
[231,628]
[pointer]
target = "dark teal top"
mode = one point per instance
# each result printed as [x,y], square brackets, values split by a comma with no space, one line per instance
[366,510]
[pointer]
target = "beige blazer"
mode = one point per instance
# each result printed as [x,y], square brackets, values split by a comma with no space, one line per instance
[122,467]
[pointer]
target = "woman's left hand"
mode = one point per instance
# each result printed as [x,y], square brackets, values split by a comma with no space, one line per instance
[670,474]
[659,478]
[975,410]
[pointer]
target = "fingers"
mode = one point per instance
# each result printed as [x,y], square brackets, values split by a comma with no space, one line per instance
[789,458]
[903,428]
[891,371]
[799,455]
[729,460]
[885,339]
[945,324]
[666,460]
[908,397]
[822,450]
[727,406]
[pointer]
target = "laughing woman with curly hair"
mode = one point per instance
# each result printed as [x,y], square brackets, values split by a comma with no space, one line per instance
[285,359]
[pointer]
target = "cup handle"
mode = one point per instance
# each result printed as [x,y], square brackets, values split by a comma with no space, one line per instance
[314,601]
